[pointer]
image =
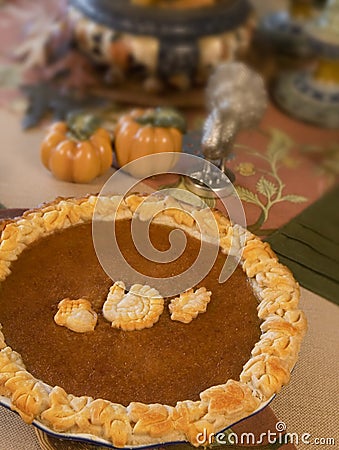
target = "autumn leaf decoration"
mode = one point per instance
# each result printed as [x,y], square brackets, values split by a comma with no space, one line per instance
[270,187]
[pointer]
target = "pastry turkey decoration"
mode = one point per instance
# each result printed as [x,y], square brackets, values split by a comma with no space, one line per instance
[140,308]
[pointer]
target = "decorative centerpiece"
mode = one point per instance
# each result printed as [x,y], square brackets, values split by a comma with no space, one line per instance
[313,95]
[162,43]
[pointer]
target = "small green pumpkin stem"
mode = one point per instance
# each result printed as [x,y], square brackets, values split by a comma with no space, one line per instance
[147,118]
[82,125]
[163,118]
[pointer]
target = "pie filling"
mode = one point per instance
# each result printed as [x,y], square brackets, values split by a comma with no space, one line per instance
[169,362]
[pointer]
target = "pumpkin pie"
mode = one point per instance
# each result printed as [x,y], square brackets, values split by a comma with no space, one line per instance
[81,353]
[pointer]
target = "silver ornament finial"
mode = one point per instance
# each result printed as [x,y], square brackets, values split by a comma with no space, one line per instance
[237,98]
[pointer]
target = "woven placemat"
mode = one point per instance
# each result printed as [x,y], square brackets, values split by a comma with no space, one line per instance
[15,434]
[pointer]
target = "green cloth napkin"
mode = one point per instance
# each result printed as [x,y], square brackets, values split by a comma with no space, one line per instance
[309,246]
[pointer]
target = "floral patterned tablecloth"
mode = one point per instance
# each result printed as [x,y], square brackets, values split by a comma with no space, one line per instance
[281,167]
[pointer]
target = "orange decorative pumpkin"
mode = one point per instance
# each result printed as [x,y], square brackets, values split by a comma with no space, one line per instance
[77,152]
[144,132]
